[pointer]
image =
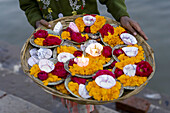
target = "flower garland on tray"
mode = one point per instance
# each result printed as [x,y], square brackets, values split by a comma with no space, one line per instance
[125,60]
[131,70]
[42,38]
[90,69]
[102,92]
[111,35]
[55,75]
[69,34]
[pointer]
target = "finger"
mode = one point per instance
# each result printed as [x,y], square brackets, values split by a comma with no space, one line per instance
[138,29]
[130,28]
[45,23]
[38,24]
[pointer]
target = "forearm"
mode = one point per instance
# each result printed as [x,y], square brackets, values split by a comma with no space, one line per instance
[116,7]
[32,11]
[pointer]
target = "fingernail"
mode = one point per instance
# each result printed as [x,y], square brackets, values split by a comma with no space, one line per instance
[135,33]
[49,25]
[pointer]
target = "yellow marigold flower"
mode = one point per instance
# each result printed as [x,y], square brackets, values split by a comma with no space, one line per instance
[103,94]
[51,78]
[66,35]
[125,60]
[119,30]
[131,81]
[62,89]
[74,87]
[69,49]
[39,41]
[34,69]
[36,74]
[80,24]
[112,40]
[98,24]
[45,83]
[95,64]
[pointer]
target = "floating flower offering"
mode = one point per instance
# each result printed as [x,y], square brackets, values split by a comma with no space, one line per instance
[98,69]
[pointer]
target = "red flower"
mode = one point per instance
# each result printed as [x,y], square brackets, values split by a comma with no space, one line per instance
[52,40]
[77,37]
[42,75]
[144,69]
[118,52]
[78,80]
[105,29]
[69,30]
[59,70]
[112,65]
[90,15]
[78,53]
[87,29]
[103,72]
[107,51]
[71,62]
[118,72]
[41,34]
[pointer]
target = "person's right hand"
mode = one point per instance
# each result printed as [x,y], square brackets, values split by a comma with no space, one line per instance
[42,22]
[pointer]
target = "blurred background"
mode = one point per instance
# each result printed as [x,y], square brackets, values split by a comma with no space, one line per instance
[152,15]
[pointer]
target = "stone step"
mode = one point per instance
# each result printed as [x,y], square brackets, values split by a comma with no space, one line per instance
[13,104]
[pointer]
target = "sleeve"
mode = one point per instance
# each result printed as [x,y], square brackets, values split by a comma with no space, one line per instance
[32,11]
[116,7]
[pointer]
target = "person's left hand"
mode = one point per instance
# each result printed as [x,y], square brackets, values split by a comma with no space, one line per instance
[132,26]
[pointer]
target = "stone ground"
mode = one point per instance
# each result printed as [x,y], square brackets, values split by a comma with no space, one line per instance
[20,88]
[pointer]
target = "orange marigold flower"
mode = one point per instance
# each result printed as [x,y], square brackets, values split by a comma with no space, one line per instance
[69,49]
[95,64]
[39,41]
[98,24]
[103,94]
[62,89]
[113,40]
[51,78]
[34,69]
[80,23]
[125,60]
[66,35]
[132,81]
[74,87]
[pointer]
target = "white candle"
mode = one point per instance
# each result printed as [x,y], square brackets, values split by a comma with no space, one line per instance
[82,61]
[94,49]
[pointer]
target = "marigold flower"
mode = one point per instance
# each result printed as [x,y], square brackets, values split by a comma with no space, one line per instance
[68,49]
[113,40]
[103,94]
[66,35]
[62,89]
[125,60]
[39,41]
[74,87]
[131,81]
[34,69]
[80,24]
[95,64]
